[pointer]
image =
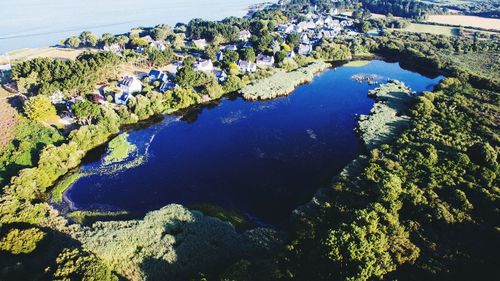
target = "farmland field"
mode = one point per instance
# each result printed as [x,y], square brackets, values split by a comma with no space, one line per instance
[473,21]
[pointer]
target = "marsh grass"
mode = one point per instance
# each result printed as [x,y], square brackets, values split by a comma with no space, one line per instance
[282,83]
[238,220]
[58,190]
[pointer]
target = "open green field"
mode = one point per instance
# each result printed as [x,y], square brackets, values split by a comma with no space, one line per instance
[433,29]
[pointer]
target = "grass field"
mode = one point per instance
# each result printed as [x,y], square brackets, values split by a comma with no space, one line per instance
[461,20]
[50,52]
[433,29]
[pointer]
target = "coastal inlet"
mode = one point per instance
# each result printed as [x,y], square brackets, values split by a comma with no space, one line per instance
[261,158]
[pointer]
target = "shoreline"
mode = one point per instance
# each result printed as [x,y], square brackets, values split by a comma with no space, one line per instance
[244,11]
[374,129]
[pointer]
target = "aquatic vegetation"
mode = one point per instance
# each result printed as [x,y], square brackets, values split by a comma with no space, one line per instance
[282,83]
[238,220]
[58,191]
[357,63]
[386,119]
[89,217]
[119,149]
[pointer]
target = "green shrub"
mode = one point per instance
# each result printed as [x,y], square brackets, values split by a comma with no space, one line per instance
[39,108]
[21,241]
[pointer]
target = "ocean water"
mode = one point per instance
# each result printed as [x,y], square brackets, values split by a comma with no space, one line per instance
[262,159]
[42,23]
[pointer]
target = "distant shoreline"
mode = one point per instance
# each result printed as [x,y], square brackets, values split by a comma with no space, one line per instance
[41,37]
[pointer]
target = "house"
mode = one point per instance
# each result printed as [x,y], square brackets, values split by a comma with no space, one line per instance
[346,23]
[305,49]
[297,29]
[263,60]
[121,98]
[304,39]
[246,66]
[319,22]
[285,29]
[155,74]
[114,48]
[148,39]
[230,47]
[167,86]
[5,69]
[329,33]
[219,56]
[304,25]
[173,68]
[158,45]
[5,65]
[57,97]
[200,44]
[328,21]
[204,65]
[247,45]
[220,75]
[130,85]
[245,35]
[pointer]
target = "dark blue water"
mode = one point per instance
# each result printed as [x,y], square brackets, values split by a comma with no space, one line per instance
[260,158]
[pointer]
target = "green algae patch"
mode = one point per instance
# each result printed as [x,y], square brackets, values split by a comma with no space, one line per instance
[238,220]
[58,190]
[357,63]
[119,149]
[90,217]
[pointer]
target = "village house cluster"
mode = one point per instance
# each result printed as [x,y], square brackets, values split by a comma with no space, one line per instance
[311,29]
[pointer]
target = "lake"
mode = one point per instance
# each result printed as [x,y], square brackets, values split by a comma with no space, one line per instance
[42,23]
[262,159]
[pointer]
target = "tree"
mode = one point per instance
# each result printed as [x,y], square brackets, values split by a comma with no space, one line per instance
[22,241]
[139,42]
[160,32]
[365,27]
[263,42]
[87,38]
[293,39]
[230,56]
[186,76]
[39,108]
[280,56]
[86,112]
[211,52]
[73,42]
[248,54]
